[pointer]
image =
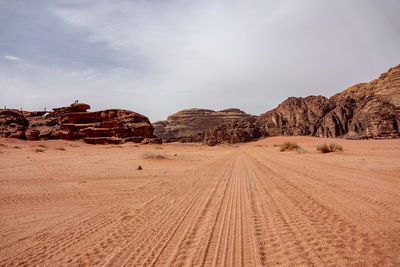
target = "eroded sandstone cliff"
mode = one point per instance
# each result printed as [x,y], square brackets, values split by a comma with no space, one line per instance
[189,125]
[74,122]
[366,110]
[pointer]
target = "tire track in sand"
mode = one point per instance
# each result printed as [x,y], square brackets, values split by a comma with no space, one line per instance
[333,238]
[146,249]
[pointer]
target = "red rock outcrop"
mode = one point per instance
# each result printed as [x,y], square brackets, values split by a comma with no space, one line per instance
[12,123]
[243,130]
[367,110]
[188,125]
[74,122]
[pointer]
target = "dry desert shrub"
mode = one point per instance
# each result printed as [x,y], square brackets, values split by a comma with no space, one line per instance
[152,155]
[290,146]
[60,148]
[17,147]
[37,150]
[329,147]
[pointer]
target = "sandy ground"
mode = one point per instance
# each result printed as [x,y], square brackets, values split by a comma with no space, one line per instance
[69,204]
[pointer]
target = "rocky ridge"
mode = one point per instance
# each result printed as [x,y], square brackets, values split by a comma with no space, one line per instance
[365,110]
[190,124]
[112,126]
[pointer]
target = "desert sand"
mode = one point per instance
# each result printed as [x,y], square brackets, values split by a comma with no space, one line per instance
[65,203]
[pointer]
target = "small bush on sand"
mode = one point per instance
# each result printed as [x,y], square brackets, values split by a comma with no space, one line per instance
[290,146]
[37,150]
[152,155]
[60,148]
[329,147]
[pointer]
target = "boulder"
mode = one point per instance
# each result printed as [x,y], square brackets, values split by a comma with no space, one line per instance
[32,135]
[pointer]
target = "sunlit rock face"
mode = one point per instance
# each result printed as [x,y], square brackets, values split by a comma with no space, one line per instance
[74,122]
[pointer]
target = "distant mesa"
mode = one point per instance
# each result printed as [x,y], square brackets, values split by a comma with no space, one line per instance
[188,125]
[111,126]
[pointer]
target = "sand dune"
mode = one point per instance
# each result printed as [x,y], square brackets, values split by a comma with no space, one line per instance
[73,204]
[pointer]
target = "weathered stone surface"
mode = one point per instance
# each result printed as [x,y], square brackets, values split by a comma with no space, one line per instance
[74,122]
[75,107]
[186,124]
[151,141]
[32,135]
[295,116]
[243,130]
[12,123]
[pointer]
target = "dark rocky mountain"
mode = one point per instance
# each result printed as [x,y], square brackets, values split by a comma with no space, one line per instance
[74,122]
[366,110]
[188,125]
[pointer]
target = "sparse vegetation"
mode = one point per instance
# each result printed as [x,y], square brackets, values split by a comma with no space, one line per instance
[37,150]
[329,147]
[158,147]
[17,147]
[60,148]
[152,155]
[290,146]
[43,146]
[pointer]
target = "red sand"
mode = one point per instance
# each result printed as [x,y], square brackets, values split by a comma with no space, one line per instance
[69,203]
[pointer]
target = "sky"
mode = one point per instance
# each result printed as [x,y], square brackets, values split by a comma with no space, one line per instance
[157,57]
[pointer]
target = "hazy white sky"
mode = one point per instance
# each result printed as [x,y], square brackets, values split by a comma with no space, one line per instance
[158,57]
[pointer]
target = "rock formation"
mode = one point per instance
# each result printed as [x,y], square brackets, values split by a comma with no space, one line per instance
[366,110]
[74,122]
[188,125]
[12,123]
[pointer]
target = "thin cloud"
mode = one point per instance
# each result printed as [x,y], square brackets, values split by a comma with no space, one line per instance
[12,58]
[157,57]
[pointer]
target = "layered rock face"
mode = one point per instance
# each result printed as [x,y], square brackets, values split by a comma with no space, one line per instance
[74,122]
[243,130]
[189,125]
[13,124]
[367,110]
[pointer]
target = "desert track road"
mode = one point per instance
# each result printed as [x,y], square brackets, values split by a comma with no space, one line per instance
[246,207]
